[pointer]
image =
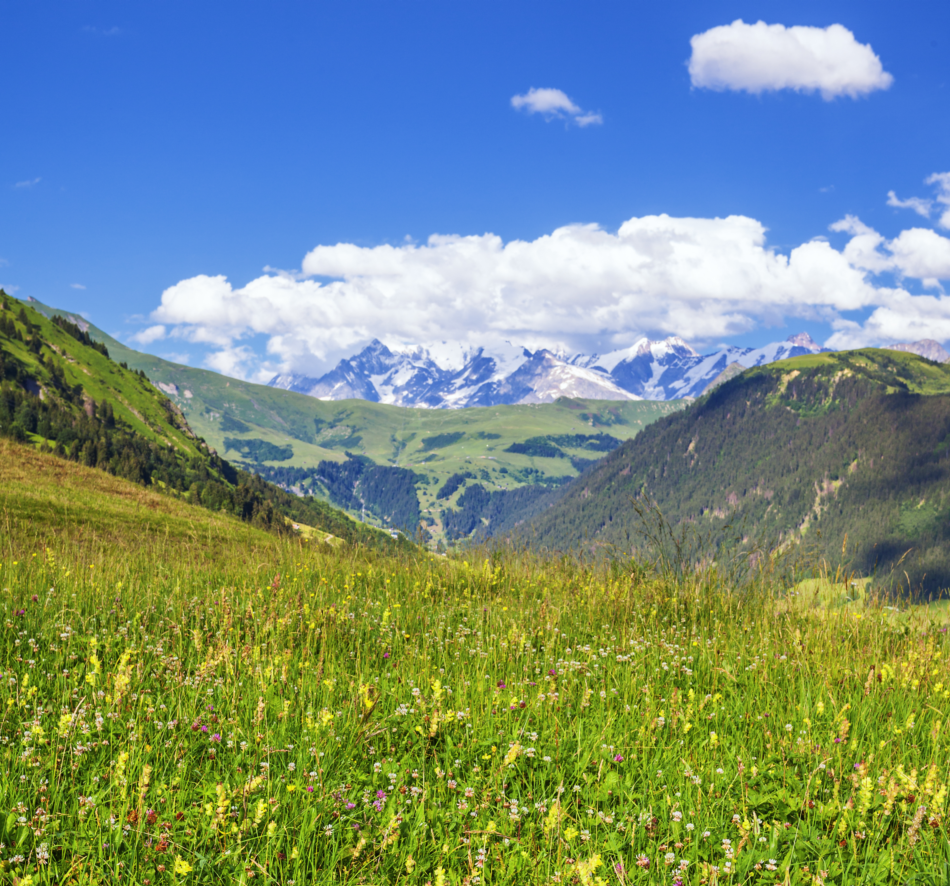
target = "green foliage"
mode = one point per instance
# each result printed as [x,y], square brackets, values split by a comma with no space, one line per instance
[439,441]
[231,425]
[537,447]
[80,335]
[485,513]
[388,493]
[451,486]
[259,450]
[550,445]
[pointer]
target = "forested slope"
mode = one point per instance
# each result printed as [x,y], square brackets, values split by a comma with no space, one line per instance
[849,452]
[61,392]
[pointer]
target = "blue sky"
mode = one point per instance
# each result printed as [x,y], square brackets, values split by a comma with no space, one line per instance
[156,148]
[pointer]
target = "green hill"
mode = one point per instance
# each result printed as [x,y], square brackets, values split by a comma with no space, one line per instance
[847,452]
[388,464]
[63,392]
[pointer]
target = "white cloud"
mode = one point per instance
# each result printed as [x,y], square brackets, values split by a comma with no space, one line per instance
[919,205]
[922,253]
[554,104]
[904,318]
[704,279]
[177,357]
[76,286]
[942,181]
[917,252]
[589,120]
[923,206]
[149,335]
[759,58]
[29,183]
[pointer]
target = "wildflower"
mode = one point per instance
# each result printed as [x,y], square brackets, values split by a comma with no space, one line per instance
[618,758]
[643,862]
[182,868]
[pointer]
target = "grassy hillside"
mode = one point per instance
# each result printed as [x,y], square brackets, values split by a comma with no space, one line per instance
[187,699]
[848,453]
[62,392]
[50,502]
[294,440]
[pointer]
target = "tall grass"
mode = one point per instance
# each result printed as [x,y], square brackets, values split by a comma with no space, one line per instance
[285,715]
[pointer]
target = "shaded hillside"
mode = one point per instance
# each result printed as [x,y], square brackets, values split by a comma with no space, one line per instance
[61,392]
[848,451]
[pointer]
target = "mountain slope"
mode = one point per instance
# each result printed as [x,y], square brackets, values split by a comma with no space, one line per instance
[61,391]
[847,451]
[48,497]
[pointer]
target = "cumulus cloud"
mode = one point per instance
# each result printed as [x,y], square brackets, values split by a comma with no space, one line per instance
[918,204]
[554,104]
[917,252]
[579,287]
[149,335]
[942,181]
[905,317]
[924,206]
[759,58]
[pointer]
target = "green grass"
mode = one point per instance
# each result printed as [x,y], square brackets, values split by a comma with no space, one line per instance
[134,399]
[50,500]
[282,711]
[899,370]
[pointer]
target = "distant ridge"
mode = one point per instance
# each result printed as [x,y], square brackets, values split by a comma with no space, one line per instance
[926,347]
[452,375]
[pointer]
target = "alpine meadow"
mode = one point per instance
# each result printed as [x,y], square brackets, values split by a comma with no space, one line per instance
[475,444]
[203,690]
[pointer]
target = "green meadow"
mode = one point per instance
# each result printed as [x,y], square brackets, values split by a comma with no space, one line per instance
[186,699]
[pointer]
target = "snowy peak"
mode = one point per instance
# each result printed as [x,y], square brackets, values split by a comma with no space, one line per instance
[452,375]
[926,347]
[804,340]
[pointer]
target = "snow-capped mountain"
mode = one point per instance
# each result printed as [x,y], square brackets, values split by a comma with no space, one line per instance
[671,369]
[926,347]
[452,375]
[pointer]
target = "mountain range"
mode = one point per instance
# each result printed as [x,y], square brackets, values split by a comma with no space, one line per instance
[452,375]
